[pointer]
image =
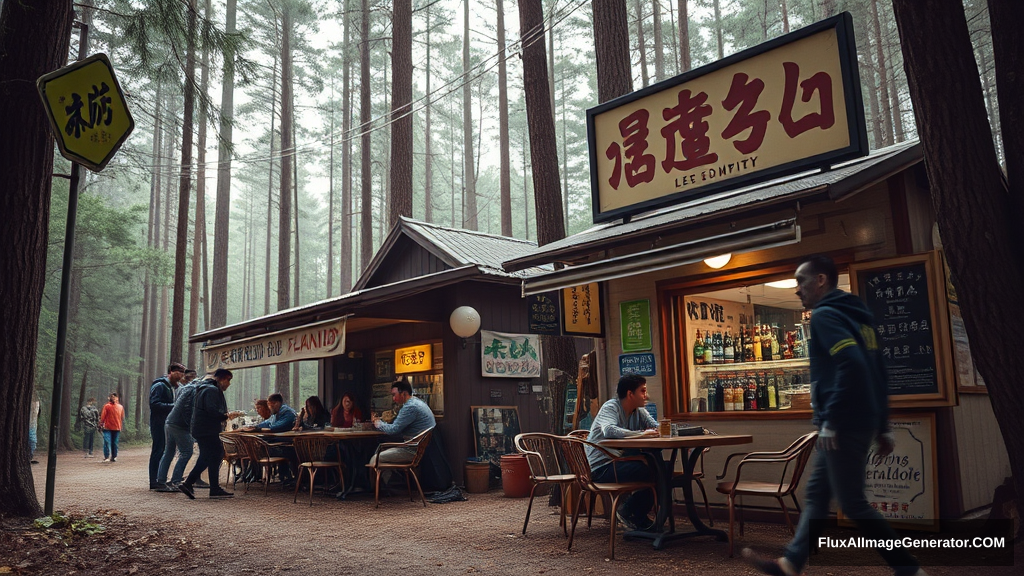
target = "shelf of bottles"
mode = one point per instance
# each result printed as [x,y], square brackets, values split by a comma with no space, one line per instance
[430,389]
[761,368]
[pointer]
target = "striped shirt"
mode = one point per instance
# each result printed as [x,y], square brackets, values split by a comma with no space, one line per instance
[613,422]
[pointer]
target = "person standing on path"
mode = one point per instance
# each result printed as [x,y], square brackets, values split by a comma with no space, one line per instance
[89,416]
[850,398]
[111,422]
[161,400]
[33,422]
[209,413]
[179,421]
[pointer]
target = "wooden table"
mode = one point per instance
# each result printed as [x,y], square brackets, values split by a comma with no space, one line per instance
[652,447]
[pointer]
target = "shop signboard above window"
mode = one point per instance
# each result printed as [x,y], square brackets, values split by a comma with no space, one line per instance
[787,105]
[413,359]
[581,311]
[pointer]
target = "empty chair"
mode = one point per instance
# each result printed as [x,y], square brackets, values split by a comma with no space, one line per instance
[793,460]
[257,451]
[233,457]
[574,451]
[546,468]
[419,442]
[312,454]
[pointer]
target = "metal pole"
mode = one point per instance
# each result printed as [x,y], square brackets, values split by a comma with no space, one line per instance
[62,318]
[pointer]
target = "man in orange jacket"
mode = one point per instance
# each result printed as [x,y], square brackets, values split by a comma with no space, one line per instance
[111,421]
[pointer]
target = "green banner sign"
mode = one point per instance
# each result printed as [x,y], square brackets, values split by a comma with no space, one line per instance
[635,322]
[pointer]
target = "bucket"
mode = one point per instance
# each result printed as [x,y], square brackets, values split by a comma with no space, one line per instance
[477,476]
[515,476]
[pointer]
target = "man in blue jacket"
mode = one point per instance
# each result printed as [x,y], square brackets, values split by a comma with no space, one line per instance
[161,400]
[850,397]
[209,412]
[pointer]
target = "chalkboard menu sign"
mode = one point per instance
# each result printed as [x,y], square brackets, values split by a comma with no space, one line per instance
[543,314]
[906,297]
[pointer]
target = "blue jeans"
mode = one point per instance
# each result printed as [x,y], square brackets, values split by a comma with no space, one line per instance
[32,441]
[177,439]
[87,438]
[840,474]
[110,443]
[637,505]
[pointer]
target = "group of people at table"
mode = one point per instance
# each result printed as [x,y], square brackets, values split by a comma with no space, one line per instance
[196,412]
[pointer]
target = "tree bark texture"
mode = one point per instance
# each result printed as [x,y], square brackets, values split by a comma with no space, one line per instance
[469,219]
[684,38]
[719,40]
[184,190]
[885,110]
[222,214]
[1007,48]
[401,112]
[365,174]
[974,212]
[641,43]
[284,234]
[611,47]
[34,40]
[505,170]
[345,281]
[659,45]
[196,293]
[428,160]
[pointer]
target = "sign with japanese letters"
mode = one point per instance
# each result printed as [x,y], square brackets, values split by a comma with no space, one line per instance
[413,359]
[581,311]
[785,106]
[509,355]
[543,314]
[87,110]
[635,325]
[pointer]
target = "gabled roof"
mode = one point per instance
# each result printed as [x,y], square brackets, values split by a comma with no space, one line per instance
[840,182]
[456,248]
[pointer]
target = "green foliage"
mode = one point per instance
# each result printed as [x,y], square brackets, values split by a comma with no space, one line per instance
[67,527]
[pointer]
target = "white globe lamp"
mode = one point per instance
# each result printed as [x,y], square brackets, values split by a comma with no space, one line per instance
[465,321]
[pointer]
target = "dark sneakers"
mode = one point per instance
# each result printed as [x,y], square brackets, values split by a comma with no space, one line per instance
[780,567]
[217,493]
[168,488]
[200,484]
[186,489]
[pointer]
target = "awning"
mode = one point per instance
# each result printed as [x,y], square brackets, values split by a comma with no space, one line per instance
[756,238]
[309,342]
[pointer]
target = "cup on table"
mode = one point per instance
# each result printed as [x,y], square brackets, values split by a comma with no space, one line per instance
[665,428]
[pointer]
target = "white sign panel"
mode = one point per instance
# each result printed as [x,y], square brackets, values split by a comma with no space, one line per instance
[318,340]
[509,355]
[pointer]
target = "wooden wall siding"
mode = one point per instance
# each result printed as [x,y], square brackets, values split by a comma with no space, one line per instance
[406,260]
[983,460]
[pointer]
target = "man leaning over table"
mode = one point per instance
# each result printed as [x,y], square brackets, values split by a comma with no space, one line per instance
[414,417]
[625,417]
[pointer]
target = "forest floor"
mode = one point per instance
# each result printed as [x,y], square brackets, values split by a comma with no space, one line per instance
[150,533]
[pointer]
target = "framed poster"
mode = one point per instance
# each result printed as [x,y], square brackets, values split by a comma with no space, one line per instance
[494,431]
[635,325]
[581,311]
[509,355]
[907,296]
[384,366]
[543,312]
[903,485]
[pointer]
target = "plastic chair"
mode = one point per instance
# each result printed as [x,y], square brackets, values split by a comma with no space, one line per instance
[258,452]
[541,453]
[793,460]
[312,454]
[419,442]
[574,451]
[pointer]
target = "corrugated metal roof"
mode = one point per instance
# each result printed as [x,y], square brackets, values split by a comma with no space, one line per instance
[469,247]
[841,181]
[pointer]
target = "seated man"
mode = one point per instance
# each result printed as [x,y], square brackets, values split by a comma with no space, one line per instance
[282,419]
[625,417]
[414,417]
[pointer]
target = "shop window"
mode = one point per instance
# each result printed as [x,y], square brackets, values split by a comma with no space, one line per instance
[426,376]
[741,348]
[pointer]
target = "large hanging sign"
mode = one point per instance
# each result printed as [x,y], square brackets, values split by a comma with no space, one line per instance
[308,342]
[509,355]
[581,311]
[413,359]
[784,106]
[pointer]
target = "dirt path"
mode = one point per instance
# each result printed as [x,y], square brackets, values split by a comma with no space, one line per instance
[155,533]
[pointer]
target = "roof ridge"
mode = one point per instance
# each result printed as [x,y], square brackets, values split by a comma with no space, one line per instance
[413,221]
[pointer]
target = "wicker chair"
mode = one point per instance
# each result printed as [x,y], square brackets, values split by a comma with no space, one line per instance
[546,467]
[574,451]
[257,451]
[793,459]
[419,442]
[233,457]
[312,454]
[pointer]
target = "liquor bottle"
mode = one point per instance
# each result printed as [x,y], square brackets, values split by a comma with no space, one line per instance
[776,343]
[719,351]
[750,397]
[758,353]
[773,390]
[729,352]
[710,392]
[719,396]
[748,345]
[727,397]
[766,344]
[709,349]
[737,343]
[762,393]
[698,350]
[737,394]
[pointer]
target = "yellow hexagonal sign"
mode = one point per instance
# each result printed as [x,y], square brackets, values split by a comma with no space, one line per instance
[87,110]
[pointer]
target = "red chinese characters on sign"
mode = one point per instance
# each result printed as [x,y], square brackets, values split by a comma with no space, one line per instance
[685,132]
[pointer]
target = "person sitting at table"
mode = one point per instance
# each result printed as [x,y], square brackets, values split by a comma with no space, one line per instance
[414,417]
[313,415]
[263,409]
[345,414]
[282,416]
[625,417]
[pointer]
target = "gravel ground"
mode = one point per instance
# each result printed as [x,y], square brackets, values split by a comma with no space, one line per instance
[155,533]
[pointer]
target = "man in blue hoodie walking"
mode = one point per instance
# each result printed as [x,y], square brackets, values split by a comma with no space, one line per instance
[850,397]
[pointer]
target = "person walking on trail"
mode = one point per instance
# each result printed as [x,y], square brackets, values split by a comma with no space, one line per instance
[849,395]
[209,413]
[179,440]
[161,400]
[111,422]
[33,423]
[625,417]
[89,419]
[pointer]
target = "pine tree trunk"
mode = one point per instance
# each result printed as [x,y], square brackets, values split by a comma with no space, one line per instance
[505,169]
[785,17]
[75,299]
[684,37]
[184,190]
[1007,46]
[287,157]
[868,78]
[345,283]
[222,215]
[200,219]
[366,177]
[148,344]
[611,47]
[641,43]
[977,219]
[298,267]
[265,371]
[469,219]
[883,78]
[428,159]
[35,41]
[400,197]
[718,29]
[659,45]
[330,204]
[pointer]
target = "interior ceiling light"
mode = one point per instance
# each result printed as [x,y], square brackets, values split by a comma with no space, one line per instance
[717,262]
[784,284]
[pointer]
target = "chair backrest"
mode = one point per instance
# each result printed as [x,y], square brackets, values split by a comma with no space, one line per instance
[581,434]
[311,448]
[799,453]
[574,451]
[541,453]
[420,441]
[231,449]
